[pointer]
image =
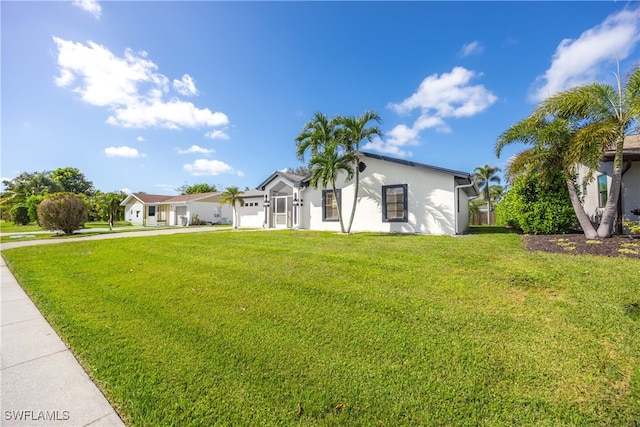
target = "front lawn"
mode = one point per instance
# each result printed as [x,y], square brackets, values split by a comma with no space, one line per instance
[311,328]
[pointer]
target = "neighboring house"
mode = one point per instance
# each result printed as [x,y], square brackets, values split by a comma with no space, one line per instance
[395,195]
[595,192]
[158,210]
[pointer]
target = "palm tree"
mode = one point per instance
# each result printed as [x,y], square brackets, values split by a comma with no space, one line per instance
[603,115]
[326,164]
[484,176]
[353,131]
[316,133]
[552,149]
[231,195]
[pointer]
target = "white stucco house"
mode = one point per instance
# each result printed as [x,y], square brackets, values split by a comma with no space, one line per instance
[161,210]
[596,191]
[395,195]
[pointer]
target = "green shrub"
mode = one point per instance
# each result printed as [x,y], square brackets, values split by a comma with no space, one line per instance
[20,214]
[32,204]
[62,211]
[537,208]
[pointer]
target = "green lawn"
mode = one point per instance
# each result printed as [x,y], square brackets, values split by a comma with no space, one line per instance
[310,328]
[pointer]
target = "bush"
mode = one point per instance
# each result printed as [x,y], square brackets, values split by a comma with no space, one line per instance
[537,208]
[32,204]
[62,211]
[20,214]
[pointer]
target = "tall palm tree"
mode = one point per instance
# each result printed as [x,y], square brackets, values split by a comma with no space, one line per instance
[232,195]
[484,176]
[326,164]
[316,133]
[603,116]
[552,148]
[352,132]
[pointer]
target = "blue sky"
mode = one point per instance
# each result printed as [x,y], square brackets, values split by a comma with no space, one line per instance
[149,96]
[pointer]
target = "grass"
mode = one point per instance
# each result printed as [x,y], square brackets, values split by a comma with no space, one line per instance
[311,328]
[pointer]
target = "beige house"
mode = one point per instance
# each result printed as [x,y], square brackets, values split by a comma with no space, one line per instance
[161,210]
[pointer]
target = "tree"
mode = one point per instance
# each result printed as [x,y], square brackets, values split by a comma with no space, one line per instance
[496,192]
[107,206]
[316,133]
[232,195]
[20,214]
[197,188]
[484,176]
[326,165]
[602,116]
[552,149]
[353,131]
[62,211]
[72,181]
[27,184]
[327,157]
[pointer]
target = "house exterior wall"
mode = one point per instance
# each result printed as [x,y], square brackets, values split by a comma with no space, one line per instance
[134,213]
[430,202]
[630,191]
[251,214]
[462,212]
[206,211]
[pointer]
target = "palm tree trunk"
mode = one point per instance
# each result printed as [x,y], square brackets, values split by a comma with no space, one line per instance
[488,212]
[339,205]
[355,194]
[235,216]
[606,224]
[583,218]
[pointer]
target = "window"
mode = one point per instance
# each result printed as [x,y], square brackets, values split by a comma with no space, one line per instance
[394,203]
[152,211]
[330,205]
[602,191]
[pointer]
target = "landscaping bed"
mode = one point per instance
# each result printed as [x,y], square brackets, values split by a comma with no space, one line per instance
[578,244]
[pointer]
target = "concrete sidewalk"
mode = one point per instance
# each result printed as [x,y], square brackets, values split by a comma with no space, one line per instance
[42,384]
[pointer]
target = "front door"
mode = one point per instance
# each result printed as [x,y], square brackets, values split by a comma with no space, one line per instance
[280,212]
[151,215]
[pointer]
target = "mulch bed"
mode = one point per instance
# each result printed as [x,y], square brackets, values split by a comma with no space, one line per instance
[578,244]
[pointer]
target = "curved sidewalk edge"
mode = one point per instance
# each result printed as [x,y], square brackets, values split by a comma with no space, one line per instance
[42,383]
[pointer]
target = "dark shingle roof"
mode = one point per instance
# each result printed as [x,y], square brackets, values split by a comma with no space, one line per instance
[631,149]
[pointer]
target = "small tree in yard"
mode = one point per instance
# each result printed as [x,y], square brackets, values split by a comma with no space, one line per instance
[107,206]
[232,195]
[20,214]
[62,211]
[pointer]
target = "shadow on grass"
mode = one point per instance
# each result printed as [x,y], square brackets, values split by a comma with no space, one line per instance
[491,229]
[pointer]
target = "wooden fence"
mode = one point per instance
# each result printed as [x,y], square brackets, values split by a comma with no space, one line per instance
[480,218]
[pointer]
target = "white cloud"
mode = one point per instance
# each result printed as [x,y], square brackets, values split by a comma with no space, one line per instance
[130,87]
[90,6]
[196,149]
[475,47]
[207,167]
[216,134]
[173,114]
[580,61]
[185,86]
[449,95]
[126,190]
[123,151]
[140,139]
